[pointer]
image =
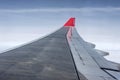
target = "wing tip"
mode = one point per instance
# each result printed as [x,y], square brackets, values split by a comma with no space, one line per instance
[70,22]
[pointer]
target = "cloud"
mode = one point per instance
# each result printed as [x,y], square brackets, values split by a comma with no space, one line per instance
[92,21]
[109,9]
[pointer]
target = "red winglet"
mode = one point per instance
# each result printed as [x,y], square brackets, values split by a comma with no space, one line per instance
[70,23]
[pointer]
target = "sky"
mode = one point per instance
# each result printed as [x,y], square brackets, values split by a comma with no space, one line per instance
[97,21]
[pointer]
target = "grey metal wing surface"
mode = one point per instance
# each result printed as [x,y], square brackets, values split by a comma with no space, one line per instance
[89,61]
[62,55]
[46,59]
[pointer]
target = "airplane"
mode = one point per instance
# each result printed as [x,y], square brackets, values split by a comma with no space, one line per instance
[62,55]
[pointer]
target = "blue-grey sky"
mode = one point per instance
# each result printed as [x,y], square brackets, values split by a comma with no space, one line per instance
[97,21]
[15,4]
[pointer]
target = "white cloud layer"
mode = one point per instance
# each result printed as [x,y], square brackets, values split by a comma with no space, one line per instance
[108,9]
[97,25]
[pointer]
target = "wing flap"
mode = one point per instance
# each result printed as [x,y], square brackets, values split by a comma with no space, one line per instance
[91,44]
[102,53]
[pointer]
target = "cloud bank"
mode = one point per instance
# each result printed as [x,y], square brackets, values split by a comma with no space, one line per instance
[109,9]
[97,25]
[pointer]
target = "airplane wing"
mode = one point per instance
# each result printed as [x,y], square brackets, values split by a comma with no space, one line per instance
[62,55]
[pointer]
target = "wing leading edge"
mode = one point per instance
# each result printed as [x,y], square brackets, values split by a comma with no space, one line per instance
[62,55]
